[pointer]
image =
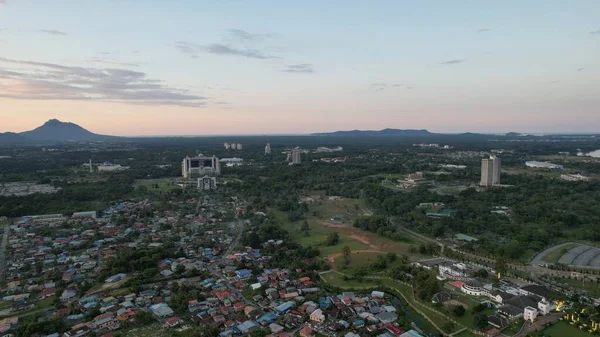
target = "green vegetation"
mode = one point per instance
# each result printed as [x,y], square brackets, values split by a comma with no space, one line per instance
[162,185]
[562,329]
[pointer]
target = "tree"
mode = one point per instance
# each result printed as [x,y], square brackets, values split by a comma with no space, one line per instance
[259,333]
[480,320]
[448,327]
[481,273]
[458,310]
[346,252]
[143,317]
[332,239]
[501,266]
[391,257]
[305,228]
[478,308]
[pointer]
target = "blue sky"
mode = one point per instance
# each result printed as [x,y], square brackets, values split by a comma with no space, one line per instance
[209,67]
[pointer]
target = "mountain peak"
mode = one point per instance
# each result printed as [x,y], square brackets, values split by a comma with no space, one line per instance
[55,130]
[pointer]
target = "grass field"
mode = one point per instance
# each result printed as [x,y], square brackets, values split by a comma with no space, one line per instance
[319,218]
[555,255]
[337,279]
[153,330]
[45,303]
[562,329]
[157,184]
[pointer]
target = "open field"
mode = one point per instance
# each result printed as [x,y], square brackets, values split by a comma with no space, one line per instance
[562,329]
[555,255]
[337,215]
[357,259]
[156,184]
[152,330]
[361,258]
[337,279]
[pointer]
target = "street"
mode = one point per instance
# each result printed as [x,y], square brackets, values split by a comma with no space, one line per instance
[3,253]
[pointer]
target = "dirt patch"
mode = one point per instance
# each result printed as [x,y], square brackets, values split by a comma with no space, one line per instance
[455,303]
[333,224]
[363,239]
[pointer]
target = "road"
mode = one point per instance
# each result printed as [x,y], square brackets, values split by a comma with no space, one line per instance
[3,253]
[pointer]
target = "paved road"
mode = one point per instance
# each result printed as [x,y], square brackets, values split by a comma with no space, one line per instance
[538,259]
[3,253]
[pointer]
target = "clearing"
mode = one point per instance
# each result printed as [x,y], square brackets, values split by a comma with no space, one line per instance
[328,215]
[156,184]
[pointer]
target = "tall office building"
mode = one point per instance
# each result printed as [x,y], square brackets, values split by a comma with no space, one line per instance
[490,171]
[268,148]
[196,167]
[496,174]
[295,157]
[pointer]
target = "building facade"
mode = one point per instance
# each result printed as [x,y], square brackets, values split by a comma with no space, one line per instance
[490,171]
[268,148]
[295,156]
[196,167]
[207,183]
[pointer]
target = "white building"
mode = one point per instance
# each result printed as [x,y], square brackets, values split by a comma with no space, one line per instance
[530,314]
[227,146]
[207,183]
[474,288]
[239,146]
[108,167]
[490,171]
[294,156]
[453,270]
[83,215]
[322,149]
[544,308]
[268,148]
[229,162]
[543,164]
[317,316]
[574,177]
[195,167]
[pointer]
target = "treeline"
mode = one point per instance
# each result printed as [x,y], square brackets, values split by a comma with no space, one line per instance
[543,211]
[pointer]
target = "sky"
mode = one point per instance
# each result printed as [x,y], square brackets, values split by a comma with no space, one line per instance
[192,67]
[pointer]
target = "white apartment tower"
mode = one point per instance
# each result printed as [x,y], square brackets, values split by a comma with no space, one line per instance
[296,156]
[268,148]
[490,171]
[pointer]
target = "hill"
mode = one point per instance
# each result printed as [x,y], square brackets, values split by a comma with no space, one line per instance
[55,130]
[377,133]
[12,138]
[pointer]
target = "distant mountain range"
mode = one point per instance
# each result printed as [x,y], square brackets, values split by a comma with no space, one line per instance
[377,133]
[53,131]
